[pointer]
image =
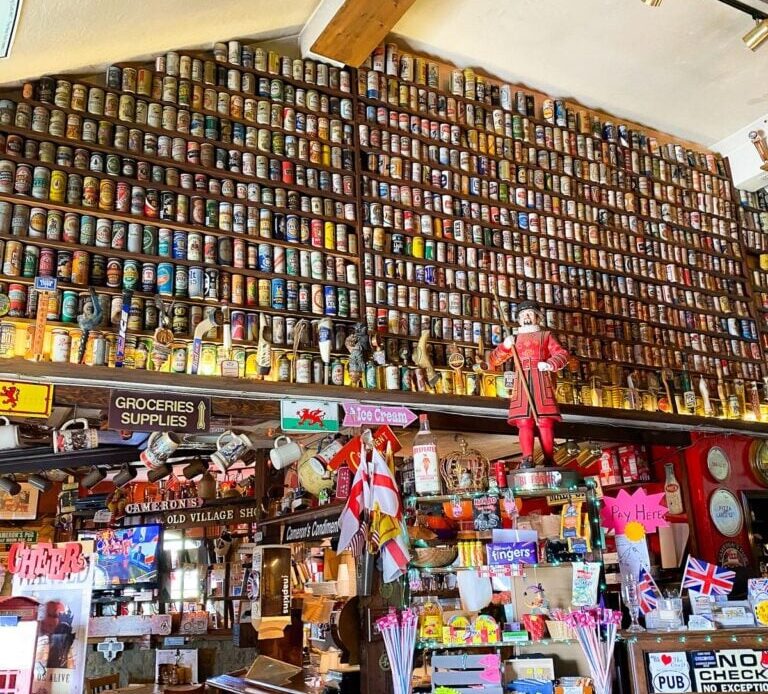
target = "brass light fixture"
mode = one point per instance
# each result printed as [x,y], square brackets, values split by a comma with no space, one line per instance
[652,3]
[755,37]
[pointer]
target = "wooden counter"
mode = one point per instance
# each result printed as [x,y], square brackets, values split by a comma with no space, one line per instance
[638,646]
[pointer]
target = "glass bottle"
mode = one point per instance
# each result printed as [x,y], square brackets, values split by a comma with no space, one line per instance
[739,406]
[754,400]
[672,493]
[425,460]
[686,385]
[706,401]
[722,392]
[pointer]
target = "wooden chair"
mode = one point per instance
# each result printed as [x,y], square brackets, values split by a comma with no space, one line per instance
[96,685]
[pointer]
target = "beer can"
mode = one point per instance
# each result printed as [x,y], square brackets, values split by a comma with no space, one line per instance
[278,294]
[69,306]
[196,283]
[211,284]
[180,280]
[148,277]
[80,268]
[165,279]
[131,275]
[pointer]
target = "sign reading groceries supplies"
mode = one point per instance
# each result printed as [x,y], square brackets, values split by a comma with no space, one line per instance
[135,410]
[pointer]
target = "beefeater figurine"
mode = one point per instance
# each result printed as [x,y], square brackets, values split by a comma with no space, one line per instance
[540,355]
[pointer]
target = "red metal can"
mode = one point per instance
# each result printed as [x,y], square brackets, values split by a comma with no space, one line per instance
[47,262]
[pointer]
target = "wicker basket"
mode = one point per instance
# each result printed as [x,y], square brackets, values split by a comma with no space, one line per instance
[434,557]
[560,631]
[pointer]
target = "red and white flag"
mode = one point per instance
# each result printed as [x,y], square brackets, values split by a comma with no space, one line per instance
[359,500]
[385,495]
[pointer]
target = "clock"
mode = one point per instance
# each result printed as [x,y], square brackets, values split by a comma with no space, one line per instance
[758,460]
[718,464]
[725,512]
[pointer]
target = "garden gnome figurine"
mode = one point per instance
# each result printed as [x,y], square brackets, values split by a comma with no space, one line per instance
[540,353]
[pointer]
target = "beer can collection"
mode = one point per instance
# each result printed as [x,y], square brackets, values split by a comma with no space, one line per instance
[235,180]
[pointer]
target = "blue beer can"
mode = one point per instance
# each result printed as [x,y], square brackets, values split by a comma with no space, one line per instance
[265,257]
[331,306]
[251,326]
[165,279]
[179,245]
[278,294]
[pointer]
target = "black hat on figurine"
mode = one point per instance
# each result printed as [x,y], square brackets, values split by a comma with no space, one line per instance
[530,306]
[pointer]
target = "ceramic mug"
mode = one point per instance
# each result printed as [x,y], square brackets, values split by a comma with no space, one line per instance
[67,440]
[9,435]
[160,446]
[230,447]
[284,454]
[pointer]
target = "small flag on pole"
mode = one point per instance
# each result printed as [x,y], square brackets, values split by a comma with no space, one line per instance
[707,579]
[647,591]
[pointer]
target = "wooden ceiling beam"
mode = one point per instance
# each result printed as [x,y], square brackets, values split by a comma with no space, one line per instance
[347,31]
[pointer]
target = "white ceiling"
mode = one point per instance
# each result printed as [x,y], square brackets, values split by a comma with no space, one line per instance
[68,35]
[681,67]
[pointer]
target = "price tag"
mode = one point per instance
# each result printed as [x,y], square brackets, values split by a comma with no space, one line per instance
[509,379]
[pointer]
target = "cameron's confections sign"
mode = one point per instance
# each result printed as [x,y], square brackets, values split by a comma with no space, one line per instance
[131,410]
[165,505]
[46,560]
[212,515]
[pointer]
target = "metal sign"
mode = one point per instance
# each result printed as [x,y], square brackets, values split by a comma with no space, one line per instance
[734,670]
[309,416]
[8,537]
[131,410]
[164,505]
[212,515]
[357,415]
[22,399]
[311,529]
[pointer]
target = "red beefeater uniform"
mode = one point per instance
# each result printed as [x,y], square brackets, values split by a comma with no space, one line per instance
[533,348]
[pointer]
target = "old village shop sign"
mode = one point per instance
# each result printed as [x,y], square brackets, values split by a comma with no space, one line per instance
[53,562]
[132,410]
[212,515]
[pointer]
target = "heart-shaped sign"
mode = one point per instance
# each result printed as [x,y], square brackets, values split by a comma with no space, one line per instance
[666,659]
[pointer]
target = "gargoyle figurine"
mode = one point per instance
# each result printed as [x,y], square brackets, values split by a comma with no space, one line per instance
[88,320]
[358,343]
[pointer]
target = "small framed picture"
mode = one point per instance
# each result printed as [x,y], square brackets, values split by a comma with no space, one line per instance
[23,506]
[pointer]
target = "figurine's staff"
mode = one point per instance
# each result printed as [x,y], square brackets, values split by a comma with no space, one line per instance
[516,356]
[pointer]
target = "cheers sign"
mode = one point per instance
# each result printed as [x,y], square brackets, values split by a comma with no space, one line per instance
[44,559]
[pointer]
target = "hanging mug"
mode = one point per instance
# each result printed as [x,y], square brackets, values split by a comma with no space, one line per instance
[284,454]
[230,447]
[9,435]
[67,440]
[160,447]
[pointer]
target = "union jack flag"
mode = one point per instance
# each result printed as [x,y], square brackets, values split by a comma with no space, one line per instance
[647,591]
[706,578]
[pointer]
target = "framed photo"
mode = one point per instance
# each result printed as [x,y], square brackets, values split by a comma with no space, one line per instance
[23,506]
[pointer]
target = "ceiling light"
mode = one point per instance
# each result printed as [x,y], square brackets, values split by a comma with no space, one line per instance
[159,473]
[757,35]
[9,485]
[40,482]
[652,3]
[126,474]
